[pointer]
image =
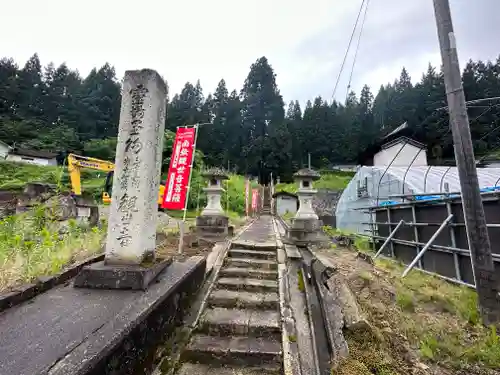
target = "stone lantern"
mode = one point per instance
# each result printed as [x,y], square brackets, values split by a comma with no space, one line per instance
[213,224]
[305,226]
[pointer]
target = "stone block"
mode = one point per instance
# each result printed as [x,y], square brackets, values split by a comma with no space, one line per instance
[109,276]
[212,221]
[241,351]
[213,228]
[309,225]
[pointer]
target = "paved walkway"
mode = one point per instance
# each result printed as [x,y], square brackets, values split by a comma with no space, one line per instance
[240,330]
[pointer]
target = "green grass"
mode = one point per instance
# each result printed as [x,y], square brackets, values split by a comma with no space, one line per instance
[14,176]
[361,243]
[32,246]
[329,180]
[442,319]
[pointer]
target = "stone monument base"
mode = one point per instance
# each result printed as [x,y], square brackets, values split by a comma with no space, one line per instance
[111,276]
[213,228]
[305,231]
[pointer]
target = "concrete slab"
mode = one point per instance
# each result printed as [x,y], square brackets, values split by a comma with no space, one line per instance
[264,322]
[298,306]
[106,276]
[66,329]
[201,369]
[292,252]
[240,299]
[257,254]
[254,273]
[247,284]
[237,350]
[247,262]
[215,254]
[225,322]
[220,321]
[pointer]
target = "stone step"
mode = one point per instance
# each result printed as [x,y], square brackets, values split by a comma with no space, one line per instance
[249,262]
[248,284]
[247,244]
[243,300]
[257,254]
[219,321]
[254,273]
[218,369]
[241,351]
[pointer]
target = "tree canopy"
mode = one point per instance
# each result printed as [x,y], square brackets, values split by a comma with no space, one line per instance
[251,131]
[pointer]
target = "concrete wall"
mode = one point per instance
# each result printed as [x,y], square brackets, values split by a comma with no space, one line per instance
[4,150]
[285,203]
[31,160]
[405,157]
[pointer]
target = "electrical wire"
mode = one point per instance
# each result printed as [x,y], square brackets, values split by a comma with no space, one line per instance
[357,49]
[348,48]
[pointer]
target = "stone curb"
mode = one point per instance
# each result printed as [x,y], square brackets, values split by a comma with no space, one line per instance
[25,292]
[291,355]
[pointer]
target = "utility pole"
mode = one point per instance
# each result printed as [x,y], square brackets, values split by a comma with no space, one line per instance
[475,221]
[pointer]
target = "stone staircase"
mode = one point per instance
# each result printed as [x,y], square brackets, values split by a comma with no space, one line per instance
[266,202]
[239,332]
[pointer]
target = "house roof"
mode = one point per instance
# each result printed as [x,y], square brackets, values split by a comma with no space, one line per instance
[402,132]
[33,153]
[403,140]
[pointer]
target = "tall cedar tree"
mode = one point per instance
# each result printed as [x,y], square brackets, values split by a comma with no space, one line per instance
[54,108]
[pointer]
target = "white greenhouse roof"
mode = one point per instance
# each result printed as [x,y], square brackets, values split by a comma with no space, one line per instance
[426,179]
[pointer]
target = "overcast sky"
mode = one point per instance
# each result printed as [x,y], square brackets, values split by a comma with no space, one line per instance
[208,40]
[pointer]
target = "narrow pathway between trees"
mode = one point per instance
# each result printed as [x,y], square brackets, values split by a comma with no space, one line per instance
[240,330]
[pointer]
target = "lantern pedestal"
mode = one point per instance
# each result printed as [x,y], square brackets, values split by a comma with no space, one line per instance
[213,225]
[306,227]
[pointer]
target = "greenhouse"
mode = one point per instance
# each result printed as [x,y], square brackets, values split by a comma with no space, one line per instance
[375,186]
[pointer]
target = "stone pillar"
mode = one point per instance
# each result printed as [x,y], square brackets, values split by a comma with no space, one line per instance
[213,224]
[133,213]
[306,227]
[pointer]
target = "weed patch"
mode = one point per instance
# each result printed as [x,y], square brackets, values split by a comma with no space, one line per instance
[422,319]
[32,246]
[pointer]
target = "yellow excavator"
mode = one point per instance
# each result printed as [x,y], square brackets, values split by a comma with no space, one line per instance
[76,162]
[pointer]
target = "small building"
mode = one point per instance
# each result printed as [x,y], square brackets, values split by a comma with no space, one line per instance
[397,149]
[285,202]
[23,155]
[4,150]
[345,167]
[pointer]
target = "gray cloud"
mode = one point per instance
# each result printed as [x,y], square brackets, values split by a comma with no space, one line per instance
[396,34]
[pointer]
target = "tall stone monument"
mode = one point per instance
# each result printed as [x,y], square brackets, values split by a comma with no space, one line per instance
[130,246]
[213,224]
[306,227]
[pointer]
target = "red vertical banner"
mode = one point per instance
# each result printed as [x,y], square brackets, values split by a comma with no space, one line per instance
[247,193]
[255,199]
[181,161]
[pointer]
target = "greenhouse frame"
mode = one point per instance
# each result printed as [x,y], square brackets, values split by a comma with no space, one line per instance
[414,202]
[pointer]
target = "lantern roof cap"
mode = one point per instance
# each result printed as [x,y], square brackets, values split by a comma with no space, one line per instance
[307,173]
[214,172]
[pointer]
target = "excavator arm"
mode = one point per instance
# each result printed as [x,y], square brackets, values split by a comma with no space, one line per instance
[76,162]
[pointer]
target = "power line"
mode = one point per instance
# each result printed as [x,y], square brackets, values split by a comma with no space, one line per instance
[348,48]
[357,48]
